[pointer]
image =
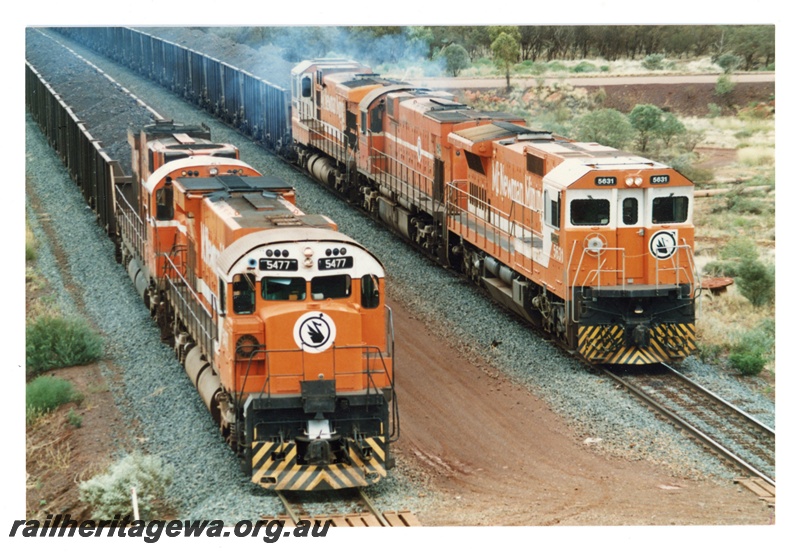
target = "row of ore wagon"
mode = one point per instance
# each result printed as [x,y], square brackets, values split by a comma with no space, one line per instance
[256,107]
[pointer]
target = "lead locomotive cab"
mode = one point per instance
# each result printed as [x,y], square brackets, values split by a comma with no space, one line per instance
[308,360]
[634,279]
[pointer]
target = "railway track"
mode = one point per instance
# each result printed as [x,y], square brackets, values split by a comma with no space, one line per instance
[729,432]
[367,516]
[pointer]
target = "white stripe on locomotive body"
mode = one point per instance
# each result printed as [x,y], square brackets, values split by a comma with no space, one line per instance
[419,152]
[523,239]
[190,162]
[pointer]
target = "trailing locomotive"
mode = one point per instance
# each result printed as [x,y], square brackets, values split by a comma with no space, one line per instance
[278,318]
[591,244]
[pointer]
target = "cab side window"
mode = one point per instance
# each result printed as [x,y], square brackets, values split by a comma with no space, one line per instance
[165,209]
[244,294]
[370,292]
[552,209]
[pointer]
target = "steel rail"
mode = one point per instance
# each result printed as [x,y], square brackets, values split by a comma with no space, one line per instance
[755,422]
[288,507]
[372,509]
[691,429]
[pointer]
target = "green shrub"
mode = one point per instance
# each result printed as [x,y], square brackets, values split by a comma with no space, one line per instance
[456,59]
[46,393]
[109,494]
[730,62]
[761,338]
[756,281]
[525,66]
[606,126]
[752,350]
[74,418]
[709,353]
[52,342]
[557,67]
[739,249]
[742,204]
[720,268]
[538,68]
[653,62]
[724,86]
[747,363]
[584,67]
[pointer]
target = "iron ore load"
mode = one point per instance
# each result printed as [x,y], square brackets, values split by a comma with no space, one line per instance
[591,244]
[279,319]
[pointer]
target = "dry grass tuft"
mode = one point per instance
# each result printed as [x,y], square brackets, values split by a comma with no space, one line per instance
[756,156]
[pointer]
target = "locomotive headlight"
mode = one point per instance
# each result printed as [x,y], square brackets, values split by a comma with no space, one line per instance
[629,181]
[637,181]
[307,263]
[308,252]
[213,171]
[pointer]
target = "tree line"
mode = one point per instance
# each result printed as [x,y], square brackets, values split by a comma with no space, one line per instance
[754,44]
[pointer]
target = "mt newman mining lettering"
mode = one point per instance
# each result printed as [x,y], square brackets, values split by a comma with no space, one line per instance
[522,193]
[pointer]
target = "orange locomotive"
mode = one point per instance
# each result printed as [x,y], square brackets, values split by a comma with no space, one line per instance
[279,319]
[593,244]
[587,242]
[383,143]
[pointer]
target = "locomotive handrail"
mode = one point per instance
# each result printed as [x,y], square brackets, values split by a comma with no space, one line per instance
[503,239]
[697,288]
[187,310]
[391,180]
[327,138]
[394,435]
[133,223]
[368,351]
[597,273]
